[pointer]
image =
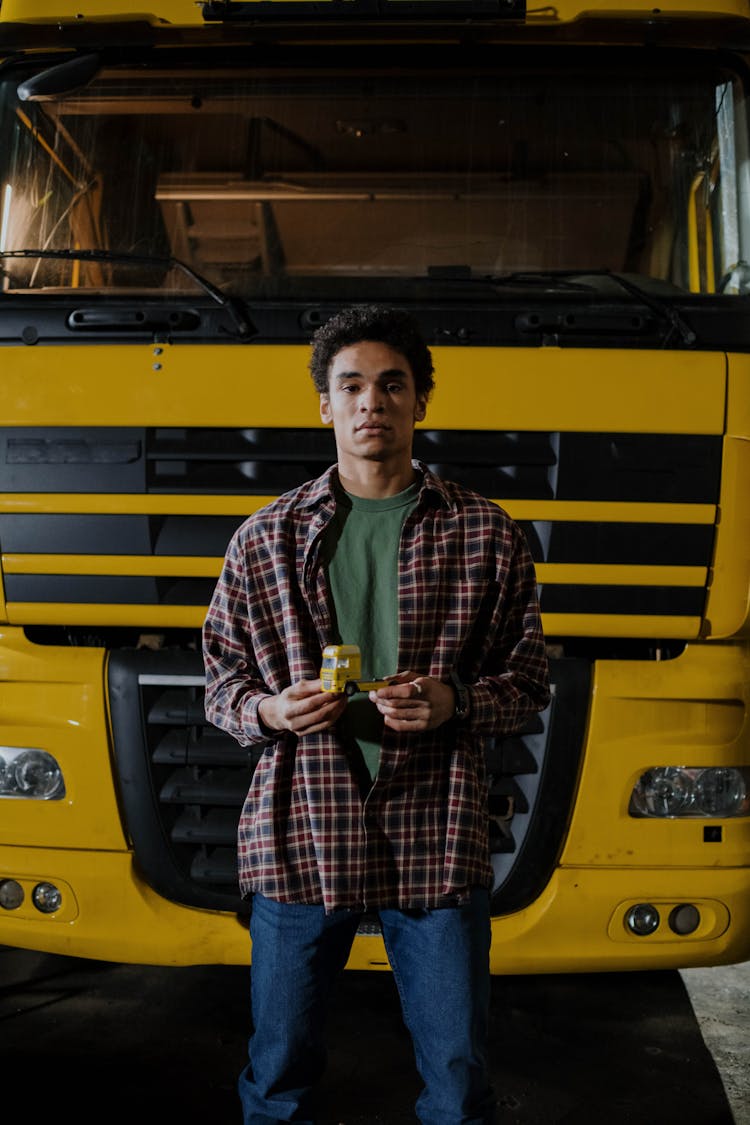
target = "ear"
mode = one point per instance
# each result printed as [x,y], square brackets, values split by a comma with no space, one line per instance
[420,410]
[325,410]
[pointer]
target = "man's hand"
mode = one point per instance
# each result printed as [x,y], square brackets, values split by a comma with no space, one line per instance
[302,707]
[412,702]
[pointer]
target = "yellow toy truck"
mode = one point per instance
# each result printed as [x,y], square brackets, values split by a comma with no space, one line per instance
[342,668]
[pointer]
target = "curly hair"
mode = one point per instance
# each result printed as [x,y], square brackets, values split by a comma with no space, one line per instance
[394,327]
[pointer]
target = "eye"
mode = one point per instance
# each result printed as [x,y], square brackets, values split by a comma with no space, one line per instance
[394,388]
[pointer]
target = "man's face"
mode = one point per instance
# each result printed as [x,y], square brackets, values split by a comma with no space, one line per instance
[372,403]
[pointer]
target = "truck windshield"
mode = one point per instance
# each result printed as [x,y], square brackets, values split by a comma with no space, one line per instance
[291,181]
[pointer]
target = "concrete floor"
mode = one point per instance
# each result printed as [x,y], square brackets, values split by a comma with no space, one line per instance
[720,998]
[128,1043]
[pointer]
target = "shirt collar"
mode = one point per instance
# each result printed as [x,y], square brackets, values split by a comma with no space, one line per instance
[321,490]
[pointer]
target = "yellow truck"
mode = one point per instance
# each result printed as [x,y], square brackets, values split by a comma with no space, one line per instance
[341,671]
[561,195]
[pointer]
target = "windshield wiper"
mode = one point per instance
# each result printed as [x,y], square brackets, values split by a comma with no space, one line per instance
[659,306]
[243,324]
[576,279]
[522,278]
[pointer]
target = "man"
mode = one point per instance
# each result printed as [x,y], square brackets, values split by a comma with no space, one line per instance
[377,804]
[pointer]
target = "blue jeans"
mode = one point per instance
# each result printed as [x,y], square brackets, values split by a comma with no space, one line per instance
[440,962]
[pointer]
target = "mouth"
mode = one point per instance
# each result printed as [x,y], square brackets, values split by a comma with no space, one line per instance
[371,428]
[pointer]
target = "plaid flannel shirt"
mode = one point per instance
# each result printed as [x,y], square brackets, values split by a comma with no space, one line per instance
[467,601]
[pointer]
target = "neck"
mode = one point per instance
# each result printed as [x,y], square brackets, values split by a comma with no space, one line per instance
[375,480]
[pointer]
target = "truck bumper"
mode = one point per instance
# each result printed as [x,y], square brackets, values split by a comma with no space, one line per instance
[576,925]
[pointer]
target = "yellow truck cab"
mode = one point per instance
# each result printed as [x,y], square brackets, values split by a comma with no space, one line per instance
[341,671]
[560,194]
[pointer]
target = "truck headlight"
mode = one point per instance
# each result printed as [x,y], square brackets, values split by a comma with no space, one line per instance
[720,791]
[31,773]
[692,791]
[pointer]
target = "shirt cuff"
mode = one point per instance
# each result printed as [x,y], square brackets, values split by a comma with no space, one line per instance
[254,729]
[482,706]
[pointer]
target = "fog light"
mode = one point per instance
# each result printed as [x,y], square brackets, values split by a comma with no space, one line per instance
[31,773]
[46,898]
[684,919]
[11,894]
[642,919]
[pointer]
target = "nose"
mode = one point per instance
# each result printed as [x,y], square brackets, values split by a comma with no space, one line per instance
[371,399]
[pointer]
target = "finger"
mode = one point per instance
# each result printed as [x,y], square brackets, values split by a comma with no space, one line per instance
[314,710]
[395,691]
[304,688]
[403,724]
[320,720]
[330,705]
[402,677]
[409,715]
[314,729]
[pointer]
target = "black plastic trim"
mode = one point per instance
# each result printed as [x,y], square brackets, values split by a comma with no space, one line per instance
[550,815]
[150,814]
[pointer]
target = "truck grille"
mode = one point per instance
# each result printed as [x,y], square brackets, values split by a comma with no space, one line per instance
[183,782]
[621,526]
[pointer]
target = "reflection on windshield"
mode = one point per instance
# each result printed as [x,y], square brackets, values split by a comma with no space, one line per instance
[302,185]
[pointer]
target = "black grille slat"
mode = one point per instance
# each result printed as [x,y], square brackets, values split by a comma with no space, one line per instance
[506,798]
[218,827]
[210,748]
[206,787]
[237,477]
[217,868]
[512,756]
[501,838]
[108,589]
[173,706]
[502,448]
[624,544]
[246,461]
[509,483]
[116,534]
[668,468]
[85,589]
[75,534]
[267,443]
[648,600]
[195,535]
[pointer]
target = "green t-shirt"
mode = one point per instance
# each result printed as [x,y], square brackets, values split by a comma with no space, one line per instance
[360,553]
